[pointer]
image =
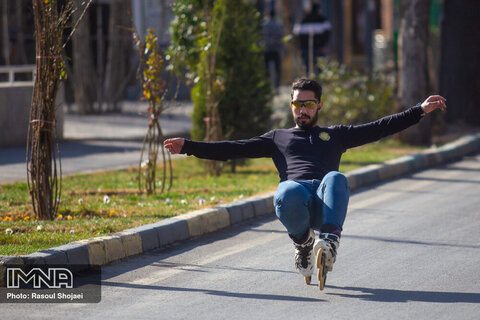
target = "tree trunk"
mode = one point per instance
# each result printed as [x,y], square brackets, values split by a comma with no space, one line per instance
[42,150]
[413,75]
[163,34]
[213,90]
[5,38]
[84,74]
[21,53]
[117,72]
[460,60]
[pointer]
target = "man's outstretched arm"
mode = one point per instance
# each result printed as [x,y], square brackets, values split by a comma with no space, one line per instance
[358,135]
[256,147]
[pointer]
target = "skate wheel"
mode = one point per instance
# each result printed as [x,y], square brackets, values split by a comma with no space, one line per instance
[322,269]
[321,283]
[308,279]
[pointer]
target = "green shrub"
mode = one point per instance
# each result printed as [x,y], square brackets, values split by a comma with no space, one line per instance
[239,67]
[352,97]
[243,107]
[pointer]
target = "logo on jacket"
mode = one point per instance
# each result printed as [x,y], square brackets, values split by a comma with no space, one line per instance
[324,136]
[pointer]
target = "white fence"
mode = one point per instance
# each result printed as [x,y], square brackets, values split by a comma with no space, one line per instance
[13,70]
[16,89]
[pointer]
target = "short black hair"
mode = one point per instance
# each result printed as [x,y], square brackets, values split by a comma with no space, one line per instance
[308,84]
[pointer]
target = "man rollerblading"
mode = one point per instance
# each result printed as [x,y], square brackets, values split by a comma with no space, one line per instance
[312,194]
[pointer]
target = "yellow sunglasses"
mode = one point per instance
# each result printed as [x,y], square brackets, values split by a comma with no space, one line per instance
[309,104]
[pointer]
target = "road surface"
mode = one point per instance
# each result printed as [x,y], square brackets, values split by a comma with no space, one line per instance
[410,250]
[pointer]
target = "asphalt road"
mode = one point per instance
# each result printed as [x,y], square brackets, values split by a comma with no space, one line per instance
[410,250]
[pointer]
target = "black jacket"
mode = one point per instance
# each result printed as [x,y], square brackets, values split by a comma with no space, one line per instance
[302,154]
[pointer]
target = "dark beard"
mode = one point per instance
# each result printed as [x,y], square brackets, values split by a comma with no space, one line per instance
[307,125]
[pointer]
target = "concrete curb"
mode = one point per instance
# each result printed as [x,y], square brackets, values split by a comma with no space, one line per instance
[427,159]
[103,250]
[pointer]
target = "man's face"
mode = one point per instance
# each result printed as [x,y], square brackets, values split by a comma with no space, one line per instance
[305,117]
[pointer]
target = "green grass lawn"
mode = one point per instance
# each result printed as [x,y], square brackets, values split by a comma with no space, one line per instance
[84,213]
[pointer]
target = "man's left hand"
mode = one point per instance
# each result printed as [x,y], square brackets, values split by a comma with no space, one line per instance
[434,102]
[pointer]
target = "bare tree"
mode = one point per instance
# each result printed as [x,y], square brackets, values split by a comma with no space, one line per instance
[149,73]
[213,84]
[21,53]
[460,60]
[5,38]
[43,156]
[118,72]
[413,75]
[84,73]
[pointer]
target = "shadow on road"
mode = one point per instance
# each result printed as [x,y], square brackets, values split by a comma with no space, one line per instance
[444,180]
[461,169]
[391,295]
[404,241]
[255,296]
[198,268]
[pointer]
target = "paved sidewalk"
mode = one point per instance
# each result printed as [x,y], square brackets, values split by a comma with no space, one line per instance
[100,142]
[130,125]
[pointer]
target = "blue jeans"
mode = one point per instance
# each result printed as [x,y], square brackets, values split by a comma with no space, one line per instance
[304,204]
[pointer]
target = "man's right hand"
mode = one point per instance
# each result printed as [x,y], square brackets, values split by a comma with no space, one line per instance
[174,145]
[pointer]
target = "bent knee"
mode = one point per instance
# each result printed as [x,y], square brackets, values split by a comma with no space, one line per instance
[335,177]
[336,180]
[291,192]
